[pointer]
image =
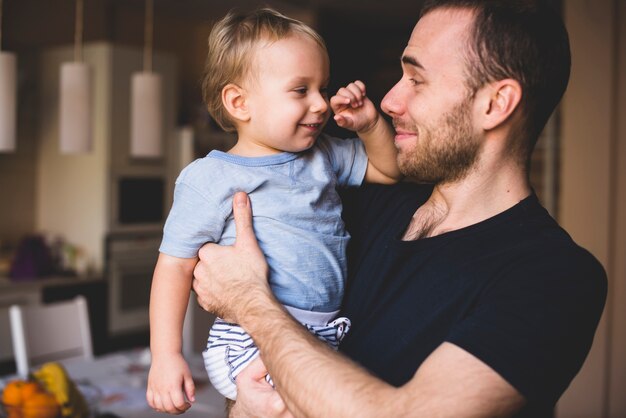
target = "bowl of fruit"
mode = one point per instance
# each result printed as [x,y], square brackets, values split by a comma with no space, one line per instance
[47,393]
[28,399]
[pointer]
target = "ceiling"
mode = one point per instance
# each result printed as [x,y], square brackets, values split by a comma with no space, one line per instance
[34,24]
[365,37]
[194,9]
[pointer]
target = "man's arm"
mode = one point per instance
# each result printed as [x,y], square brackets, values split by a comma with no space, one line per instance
[315,381]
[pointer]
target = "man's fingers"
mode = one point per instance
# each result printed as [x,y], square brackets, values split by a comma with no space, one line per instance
[255,370]
[243,220]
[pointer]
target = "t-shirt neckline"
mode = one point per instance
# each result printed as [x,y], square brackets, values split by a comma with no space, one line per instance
[262,161]
[522,206]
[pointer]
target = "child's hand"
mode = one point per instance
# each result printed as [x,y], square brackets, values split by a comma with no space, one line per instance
[167,379]
[353,110]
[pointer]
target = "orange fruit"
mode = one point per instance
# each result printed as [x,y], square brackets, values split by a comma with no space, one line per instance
[12,394]
[13,412]
[29,388]
[40,405]
[26,399]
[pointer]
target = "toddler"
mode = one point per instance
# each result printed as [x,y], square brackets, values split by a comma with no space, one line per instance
[266,79]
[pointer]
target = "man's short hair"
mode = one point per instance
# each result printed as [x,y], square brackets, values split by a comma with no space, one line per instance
[231,52]
[525,40]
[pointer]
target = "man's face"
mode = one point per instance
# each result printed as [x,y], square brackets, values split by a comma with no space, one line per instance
[431,105]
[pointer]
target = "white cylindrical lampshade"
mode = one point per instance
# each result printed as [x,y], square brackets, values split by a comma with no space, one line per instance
[185,146]
[146,115]
[75,124]
[8,101]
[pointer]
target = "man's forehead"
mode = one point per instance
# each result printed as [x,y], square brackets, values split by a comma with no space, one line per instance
[441,27]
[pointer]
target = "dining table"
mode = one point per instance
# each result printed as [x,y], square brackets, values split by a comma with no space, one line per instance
[114,385]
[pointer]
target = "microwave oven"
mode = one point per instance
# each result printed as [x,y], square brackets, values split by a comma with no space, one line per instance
[138,203]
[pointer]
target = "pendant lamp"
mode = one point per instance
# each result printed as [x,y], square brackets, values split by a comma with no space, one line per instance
[146,118]
[75,109]
[8,92]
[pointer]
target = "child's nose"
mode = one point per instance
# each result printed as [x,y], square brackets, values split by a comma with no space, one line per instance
[320,104]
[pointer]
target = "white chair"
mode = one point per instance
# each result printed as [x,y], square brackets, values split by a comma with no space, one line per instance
[52,332]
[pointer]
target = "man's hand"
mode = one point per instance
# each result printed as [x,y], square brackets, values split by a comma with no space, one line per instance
[256,397]
[227,278]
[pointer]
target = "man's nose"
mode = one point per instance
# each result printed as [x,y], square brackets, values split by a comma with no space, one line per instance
[391,104]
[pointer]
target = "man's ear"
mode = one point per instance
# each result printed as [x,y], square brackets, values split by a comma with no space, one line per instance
[501,100]
[234,100]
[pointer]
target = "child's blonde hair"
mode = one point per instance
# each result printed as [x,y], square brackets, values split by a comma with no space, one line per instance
[231,45]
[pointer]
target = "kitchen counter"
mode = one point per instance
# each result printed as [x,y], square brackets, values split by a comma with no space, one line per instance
[37,283]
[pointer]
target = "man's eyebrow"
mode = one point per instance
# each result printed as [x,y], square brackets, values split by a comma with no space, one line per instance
[409,60]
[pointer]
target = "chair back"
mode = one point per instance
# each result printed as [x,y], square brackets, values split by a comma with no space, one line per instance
[51,332]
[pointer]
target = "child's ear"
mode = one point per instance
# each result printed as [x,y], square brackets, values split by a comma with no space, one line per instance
[501,101]
[234,100]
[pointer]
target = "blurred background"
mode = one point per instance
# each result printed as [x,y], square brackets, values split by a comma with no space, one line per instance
[90,223]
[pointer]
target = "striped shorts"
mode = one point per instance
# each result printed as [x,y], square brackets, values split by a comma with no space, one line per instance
[230,349]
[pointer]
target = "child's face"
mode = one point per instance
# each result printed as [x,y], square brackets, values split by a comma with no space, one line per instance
[286,96]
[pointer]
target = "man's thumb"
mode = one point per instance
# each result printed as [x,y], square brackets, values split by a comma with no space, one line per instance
[243,220]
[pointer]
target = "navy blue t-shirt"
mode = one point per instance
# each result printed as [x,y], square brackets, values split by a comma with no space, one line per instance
[514,291]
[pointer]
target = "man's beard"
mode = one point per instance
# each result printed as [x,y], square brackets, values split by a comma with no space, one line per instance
[444,152]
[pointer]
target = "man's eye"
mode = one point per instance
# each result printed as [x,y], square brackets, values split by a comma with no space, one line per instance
[301,90]
[414,82]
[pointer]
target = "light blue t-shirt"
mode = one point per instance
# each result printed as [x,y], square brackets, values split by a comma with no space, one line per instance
[296,209]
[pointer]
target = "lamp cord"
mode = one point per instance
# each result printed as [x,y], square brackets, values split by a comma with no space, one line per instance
[149,30]
[78,32]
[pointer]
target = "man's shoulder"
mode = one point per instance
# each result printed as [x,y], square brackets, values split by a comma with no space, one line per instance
[543,252]
[548,241]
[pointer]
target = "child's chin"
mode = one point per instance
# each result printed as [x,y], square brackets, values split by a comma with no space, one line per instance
[304,148]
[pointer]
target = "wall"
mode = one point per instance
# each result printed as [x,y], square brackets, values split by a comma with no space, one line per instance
[593,190]
[17,170]
[71,189]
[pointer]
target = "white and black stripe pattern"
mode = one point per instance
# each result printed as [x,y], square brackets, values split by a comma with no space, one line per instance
[230,349]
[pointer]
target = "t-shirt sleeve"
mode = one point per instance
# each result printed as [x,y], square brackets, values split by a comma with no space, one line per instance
[535,325]
[193,221]
[347,158]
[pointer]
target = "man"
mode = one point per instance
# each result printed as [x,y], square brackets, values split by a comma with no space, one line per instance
[466,298]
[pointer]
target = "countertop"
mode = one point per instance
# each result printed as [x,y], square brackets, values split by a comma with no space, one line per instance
[45,281]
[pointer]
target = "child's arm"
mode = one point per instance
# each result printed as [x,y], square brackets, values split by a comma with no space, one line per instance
[354,111]
[169,380]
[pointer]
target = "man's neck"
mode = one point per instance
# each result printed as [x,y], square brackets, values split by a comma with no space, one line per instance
[480,195]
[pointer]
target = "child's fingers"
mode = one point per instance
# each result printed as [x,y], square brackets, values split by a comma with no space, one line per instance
[350,94]
[339,102]
[190,388]
[361,86]
[357,90]
[341,121]
[177,403]
[151,398]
